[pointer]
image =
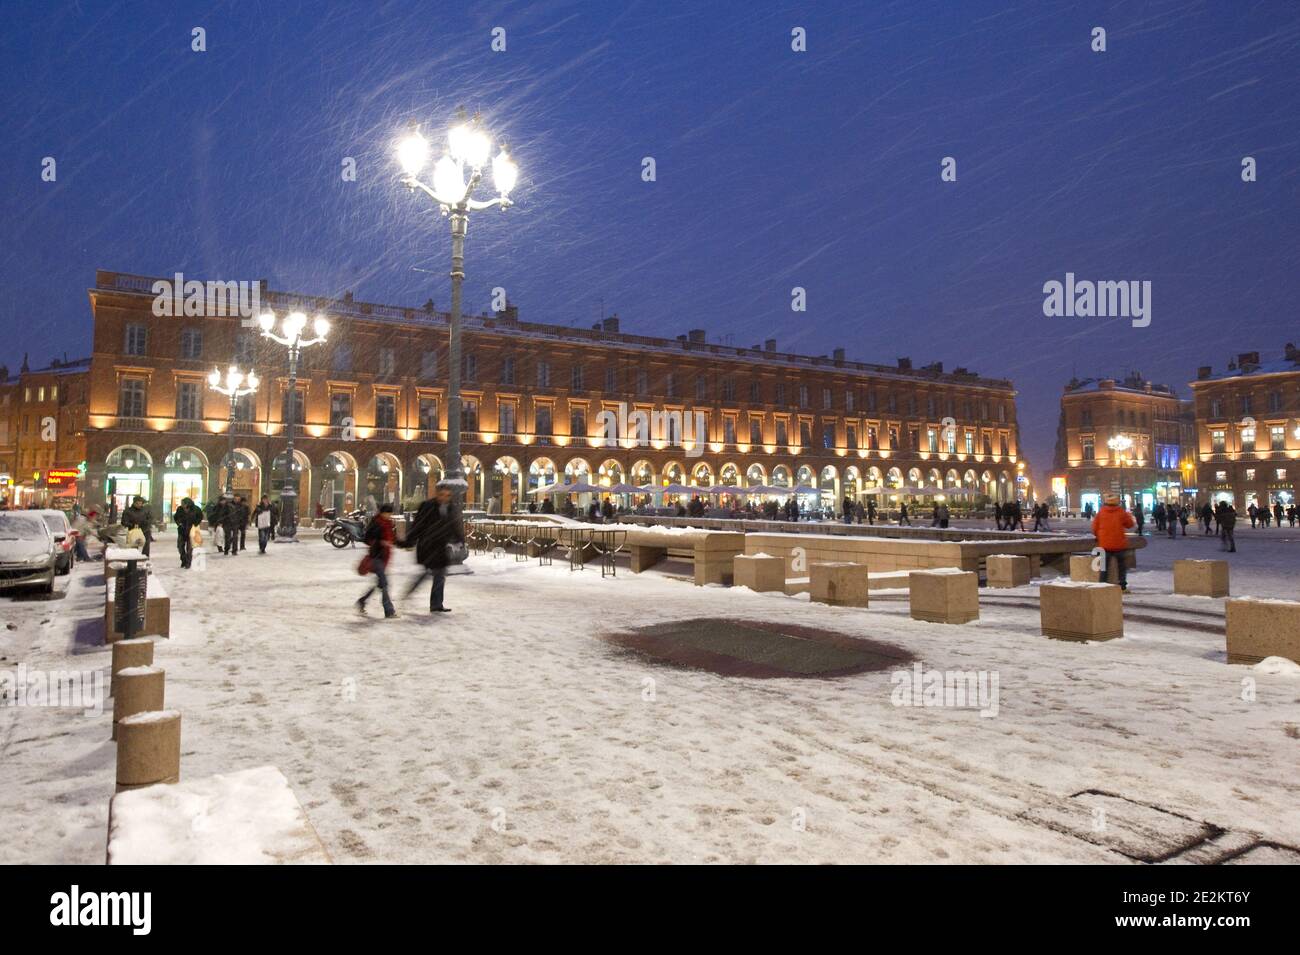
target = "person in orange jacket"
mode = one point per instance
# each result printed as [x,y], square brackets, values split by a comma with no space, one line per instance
[1109,528]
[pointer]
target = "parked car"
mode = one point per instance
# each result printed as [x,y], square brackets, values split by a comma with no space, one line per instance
[27,552]
[61,531]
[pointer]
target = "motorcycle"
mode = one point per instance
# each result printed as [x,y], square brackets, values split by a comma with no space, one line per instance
[345,531]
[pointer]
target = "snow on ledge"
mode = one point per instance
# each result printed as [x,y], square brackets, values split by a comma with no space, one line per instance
[243,818]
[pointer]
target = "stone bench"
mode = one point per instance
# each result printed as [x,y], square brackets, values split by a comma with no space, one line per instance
[1007,570]
[1201,578]
[1258,628]
[838,583]
[1081,610]
[944,596]
[250,817]
[759,572]
[157,612]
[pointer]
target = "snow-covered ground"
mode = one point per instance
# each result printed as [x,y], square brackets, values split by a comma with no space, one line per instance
[507,731]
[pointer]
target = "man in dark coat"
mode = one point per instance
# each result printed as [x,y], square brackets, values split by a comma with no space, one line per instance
[186,517]
[228,516]
[266,516]
[139,515]
[242,514]
[436,527]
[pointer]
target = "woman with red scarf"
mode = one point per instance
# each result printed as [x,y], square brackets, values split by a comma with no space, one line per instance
[380,535]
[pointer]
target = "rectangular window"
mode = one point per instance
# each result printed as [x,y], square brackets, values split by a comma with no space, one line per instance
[544,426]
[848,401]
[543,374]
[1244,401]
[428,414]
[932,440]
[611,379]
[755,392]
[1248,439]
[387,362]
[893,436]
[729,430]
[191,344]
[803,396]
[469,367]
[782,435]
[780,393]
[577,422]
[340,408]
[828,436]
[755,431]
[1002,445]
[136,339]
[988,443]
[130,398]
[187,401]
[642,382]
[670,384]
[386,411]
[805,434]
[54,392]
[701,387]
[892,400]
[40,393]
[1280,474]
[1089,447]
[506,418]
[1218,442]
[428,365]
[851,436]
[575,378]
[1250,474]
[244,408]
[826,399]
[728,389]
[873,438]
[245,349]
[508,370]
[1275,401]
[468,414]
[341,360]
[1220,475]
[1277,438]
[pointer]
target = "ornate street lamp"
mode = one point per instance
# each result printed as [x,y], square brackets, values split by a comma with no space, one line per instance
[1118,445]
[468,149]
[291,329]
[236,386]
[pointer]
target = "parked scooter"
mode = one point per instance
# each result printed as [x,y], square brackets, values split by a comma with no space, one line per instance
[344,531]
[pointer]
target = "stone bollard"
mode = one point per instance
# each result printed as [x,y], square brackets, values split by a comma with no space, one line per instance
[129,653]
[1201,578]
[139,690]
[149,749]
[1257,628]
[1081,569]
[1007,570]
[838,583]
[1076,610]
[761,572]
[944,596]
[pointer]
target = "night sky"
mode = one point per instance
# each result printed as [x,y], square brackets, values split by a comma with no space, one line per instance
[775,169]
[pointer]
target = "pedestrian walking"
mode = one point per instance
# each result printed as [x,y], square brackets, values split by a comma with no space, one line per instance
[1226,518]
[902,515]
[438,538]
[380,535]
[227,515]
[266,516]
[1109,528]
[139,516]
[187,518]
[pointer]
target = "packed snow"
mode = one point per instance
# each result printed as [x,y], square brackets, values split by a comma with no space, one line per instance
[508,731]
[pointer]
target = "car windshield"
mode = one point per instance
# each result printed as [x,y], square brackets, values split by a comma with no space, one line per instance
[54,522]
[21,527]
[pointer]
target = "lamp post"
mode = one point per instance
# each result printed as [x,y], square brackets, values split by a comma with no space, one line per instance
[236,386]
[290,335]
[1118,445]
[468,149]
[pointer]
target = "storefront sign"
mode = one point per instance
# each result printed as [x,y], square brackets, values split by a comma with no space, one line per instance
[58,477]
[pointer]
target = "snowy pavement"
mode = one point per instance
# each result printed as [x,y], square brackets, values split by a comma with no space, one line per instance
[507,731]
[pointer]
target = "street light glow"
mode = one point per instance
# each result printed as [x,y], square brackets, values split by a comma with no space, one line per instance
[321,326]
[448,181]
[469,145]
[294,323]
[266,320]
[413,153]
[504,172]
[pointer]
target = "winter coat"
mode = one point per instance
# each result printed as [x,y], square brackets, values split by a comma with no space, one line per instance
[1109,526]
[431,532]
[273,508]
[381,536]
[140,517]
[187,517]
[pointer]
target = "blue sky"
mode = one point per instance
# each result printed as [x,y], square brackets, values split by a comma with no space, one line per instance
[775,169]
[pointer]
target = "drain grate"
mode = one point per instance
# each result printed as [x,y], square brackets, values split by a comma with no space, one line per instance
[755,648]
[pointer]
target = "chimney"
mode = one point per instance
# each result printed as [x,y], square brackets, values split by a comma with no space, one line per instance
[610,324]
[838,355]
[1292,354]
[1106,384]
[1204,371]
[595,326]
[347,297]
[905,364]
[1248,360]
[682,338]
[509,314]
[769,345]
[697,335]
[428,306]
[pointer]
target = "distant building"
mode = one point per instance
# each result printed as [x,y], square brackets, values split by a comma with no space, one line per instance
[1155,460]
[1248,430]
[43,433]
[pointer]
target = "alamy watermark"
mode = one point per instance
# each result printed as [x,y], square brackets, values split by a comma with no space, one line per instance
[177,296]
[1087,299]
[961,689]
[672,428]
[26,687]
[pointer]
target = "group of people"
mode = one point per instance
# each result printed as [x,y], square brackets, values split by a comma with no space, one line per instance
[1263,516]
[437,536]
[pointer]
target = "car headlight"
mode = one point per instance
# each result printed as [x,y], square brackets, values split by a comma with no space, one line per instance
[39,559]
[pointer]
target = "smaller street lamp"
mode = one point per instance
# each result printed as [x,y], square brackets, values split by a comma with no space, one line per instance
[290,335]
[236,386]
[1118,445]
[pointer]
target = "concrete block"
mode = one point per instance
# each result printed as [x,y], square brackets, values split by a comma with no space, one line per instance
[944,596]
[148,749]
[1007,570]
[1075,610]
[839,583]
[1262,628]
[760,572]
[1201,578]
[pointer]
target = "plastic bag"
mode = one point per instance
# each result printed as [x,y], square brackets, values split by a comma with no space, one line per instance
[135,538]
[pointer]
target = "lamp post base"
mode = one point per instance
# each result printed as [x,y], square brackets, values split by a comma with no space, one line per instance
[287,532]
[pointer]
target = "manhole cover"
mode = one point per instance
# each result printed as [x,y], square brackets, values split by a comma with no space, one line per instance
[759,649]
